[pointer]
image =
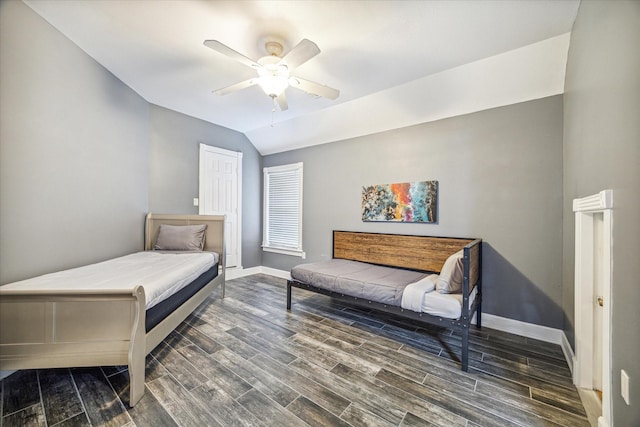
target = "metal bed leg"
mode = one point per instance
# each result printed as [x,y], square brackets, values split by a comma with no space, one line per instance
[288,296]
[465,349]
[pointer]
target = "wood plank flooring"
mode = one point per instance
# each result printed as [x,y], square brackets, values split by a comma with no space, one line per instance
[245,361]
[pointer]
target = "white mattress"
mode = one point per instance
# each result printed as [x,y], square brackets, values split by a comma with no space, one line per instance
[160,273]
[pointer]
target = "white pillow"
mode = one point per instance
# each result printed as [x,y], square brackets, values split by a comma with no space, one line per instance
[452,274]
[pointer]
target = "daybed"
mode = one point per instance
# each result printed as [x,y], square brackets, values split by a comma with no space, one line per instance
[394,273]
[56,328]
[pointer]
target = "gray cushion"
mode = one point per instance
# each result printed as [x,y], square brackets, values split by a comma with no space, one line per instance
[357,279]
[180,237]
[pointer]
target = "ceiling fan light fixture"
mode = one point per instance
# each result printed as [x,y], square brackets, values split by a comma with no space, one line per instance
[273,85]
[273,78]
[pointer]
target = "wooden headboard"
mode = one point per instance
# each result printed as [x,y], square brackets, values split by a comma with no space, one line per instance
[422,253]
[214,236]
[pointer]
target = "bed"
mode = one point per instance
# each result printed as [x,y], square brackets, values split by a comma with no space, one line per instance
[57,328]
[435,280]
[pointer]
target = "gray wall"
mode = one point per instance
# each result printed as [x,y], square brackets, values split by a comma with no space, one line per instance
[83,157]
[602,151]
[500,179]
[73,153]
[173,172]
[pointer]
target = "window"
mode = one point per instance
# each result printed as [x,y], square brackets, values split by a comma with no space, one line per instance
[283,210]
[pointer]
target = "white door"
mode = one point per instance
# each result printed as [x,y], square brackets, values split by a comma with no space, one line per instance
[221,194]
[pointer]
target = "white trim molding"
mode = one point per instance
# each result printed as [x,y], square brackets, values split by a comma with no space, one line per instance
[597,202]
[567,351]
[235,273]
[517,327]
[529,330]
[586,257]
[277,273]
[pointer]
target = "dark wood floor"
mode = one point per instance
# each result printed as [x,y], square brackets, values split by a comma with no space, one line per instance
[245,360]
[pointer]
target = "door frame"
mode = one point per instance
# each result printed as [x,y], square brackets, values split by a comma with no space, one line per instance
[201,178]
[585,209]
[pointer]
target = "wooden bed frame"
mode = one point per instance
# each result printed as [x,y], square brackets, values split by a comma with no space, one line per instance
[59,329]
[422,253]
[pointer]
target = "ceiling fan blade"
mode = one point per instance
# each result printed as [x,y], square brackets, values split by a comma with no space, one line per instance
[301,53]
[235,87]
[282,102]
[226,50]
[314,88]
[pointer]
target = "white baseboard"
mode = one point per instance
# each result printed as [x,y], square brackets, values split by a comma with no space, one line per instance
[277,273]
[568,352]
[529,330]
[235,273]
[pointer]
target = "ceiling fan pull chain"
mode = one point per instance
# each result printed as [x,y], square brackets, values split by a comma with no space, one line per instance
[273,111]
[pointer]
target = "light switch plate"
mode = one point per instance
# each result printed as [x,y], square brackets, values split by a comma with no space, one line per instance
[196,202]
[624,386]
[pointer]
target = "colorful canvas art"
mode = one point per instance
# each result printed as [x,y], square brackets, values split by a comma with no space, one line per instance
[405,202]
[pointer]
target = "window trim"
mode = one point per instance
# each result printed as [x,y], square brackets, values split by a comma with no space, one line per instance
[266,246]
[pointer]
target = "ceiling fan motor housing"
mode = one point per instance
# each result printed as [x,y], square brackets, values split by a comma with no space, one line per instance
[274,48]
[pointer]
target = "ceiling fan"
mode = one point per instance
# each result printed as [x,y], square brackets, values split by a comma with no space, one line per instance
[274,70]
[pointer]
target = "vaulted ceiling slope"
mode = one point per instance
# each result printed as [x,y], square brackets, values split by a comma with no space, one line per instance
[396,63]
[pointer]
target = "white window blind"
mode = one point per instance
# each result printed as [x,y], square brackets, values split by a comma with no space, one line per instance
[283,210]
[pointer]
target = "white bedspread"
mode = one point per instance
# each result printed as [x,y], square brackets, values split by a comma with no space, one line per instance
[413,294]
[422,297]
[161,274]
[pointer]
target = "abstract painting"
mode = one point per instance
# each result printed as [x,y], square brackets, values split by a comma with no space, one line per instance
[405,202]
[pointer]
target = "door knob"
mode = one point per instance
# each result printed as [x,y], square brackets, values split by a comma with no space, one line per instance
[600,301]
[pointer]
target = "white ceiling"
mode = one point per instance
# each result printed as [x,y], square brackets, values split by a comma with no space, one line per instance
[396,63]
